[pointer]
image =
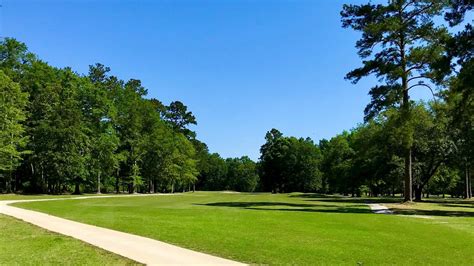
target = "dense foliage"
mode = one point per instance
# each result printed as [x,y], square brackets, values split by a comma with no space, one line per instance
[62,131]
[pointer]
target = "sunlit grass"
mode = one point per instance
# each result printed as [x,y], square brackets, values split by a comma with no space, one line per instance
[24,244]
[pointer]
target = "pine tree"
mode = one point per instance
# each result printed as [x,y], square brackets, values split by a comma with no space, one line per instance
[400,43]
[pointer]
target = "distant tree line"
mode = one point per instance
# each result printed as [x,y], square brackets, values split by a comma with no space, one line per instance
[61,131]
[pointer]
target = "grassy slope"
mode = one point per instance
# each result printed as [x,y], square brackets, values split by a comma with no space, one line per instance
[22,243]
[278,229]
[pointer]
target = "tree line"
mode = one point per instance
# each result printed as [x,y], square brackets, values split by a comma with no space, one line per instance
[61,131]
[66,132]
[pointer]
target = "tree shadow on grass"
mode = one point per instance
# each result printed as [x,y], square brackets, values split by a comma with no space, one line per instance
[326,208]
[447,213]
[408,211]
[346,199]
[313,195]
[449,201]
[458,205]
[357,200]
[293,207]
[388,199]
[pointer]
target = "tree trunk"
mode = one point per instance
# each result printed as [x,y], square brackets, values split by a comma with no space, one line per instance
[405,109]
[98,183]
[467,183]
[48,186]
[194,187]
[418,192]
[470,182]
[150,186]
[77,190]
[408,177]
[117,187]
[8,182]
[18,184]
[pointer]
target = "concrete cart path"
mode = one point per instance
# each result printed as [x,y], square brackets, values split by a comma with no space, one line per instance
[377,208]
[137,248]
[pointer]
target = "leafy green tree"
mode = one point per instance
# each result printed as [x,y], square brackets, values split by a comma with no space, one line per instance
[184,162]
[399,45]
[14,58]
[272,161]
[241,174]
[105,160]
[157,145]
[289,164]
[432,144]
[180,118]
[202,162]
[132,113]
[337,162]
[59,134]
[12,131]
[135,177]
[100,103]
[213,173]
[41,82]
[444,181]
[99,113]
[70,142]
[460,98]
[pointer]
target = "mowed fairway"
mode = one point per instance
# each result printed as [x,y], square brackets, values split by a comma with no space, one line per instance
[280,229]
[25,244]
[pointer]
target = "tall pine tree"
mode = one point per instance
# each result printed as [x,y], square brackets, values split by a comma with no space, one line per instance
[399,45]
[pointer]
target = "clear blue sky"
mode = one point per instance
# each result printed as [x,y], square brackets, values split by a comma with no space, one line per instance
[242,67]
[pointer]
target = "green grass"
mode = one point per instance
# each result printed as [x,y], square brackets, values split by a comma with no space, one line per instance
[24,244]
[436,207]
[12,196]
[279,229]
[27,197]
[451,212]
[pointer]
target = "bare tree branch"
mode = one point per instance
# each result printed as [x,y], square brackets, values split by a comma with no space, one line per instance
[424,85]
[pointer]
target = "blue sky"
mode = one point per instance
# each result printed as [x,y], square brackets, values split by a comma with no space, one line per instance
[242,67]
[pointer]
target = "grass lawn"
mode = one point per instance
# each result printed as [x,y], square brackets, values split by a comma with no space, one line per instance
[42,196]
[22,243]
[436,207]
[26,197]
[281,229]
